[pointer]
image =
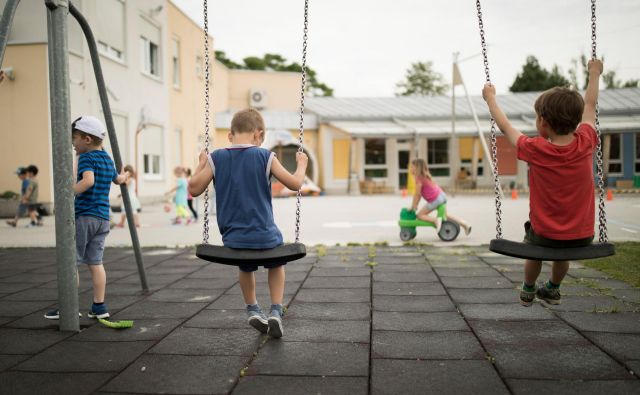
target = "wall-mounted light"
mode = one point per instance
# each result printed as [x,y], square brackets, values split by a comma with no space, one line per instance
[9,73]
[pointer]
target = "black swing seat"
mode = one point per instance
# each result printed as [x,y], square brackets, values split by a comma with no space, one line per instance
[234,256]
[530,251]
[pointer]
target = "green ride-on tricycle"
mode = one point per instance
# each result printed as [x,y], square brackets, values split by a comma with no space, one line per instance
[408,224]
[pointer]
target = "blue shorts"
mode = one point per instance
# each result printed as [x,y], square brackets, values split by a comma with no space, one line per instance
[440,200]
[253,268]
[22,210]
[91,233]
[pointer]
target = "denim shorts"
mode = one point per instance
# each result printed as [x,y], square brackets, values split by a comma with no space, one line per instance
[91,233]
[440,200]
[531,237]
[253,268]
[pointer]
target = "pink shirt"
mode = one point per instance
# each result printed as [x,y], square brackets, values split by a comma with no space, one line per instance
[430,190]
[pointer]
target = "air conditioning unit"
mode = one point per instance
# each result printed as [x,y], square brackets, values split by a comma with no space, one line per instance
[258,99]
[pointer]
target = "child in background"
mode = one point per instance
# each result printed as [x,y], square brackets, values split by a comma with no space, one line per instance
[22,208]
[190,198]
[180,197]
[31,196]
[242,174]
[426,188]
[133,198]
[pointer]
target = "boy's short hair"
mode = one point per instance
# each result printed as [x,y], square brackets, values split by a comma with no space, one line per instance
[33,169]
[247,121]
[561,108]
[88,126]
[95,141]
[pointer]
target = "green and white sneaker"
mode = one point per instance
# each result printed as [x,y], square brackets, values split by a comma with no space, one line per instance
[549,295]
[527,297]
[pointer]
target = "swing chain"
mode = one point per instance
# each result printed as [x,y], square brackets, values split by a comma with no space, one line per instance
[302,90]
[494,145]
[205,234]
[602,227]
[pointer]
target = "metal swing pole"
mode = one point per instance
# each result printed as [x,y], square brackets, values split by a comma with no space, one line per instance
[5,24]
[62,165]
[108,117]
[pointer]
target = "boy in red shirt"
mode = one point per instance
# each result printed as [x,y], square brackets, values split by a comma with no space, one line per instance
[561,204]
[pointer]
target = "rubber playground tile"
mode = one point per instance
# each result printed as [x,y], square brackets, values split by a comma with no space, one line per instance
[223,319]
[263,288]
[628,295]
[501,295]
[406,277]
[590,304]
[611,284]
[337,282]
[575,387]
[236,302]
[311,359]
[292,385]
[561,362]
[622,346]
[594,322]
[86,357]
[151,310]
[169,269]
[4,320]
[470,272]
[28,278]
[210,272]
[28,383]
[477,282]
[545,333]
[340,272]
[389,288]
[425,304]
[8,361]
[15,287]
[389,376]
[127,289]
[385,267]
[157,279]
[205,283]
[261,277]
[178,374]
[297,330]
[510,311]
[190,295]
[15,308]
[334,295]
[586,273]
[20,341]
[142,330]
[418,322]
[206,341]
[427,345]
[329,311]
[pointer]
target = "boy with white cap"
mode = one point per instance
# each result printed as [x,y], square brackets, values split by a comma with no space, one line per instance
[96,171]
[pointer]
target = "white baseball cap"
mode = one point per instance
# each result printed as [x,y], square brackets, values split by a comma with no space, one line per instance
[89,125]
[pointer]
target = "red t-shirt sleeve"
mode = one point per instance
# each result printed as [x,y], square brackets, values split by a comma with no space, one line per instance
[589,133]
[526,148]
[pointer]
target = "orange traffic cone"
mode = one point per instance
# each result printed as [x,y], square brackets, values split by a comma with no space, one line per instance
[609,195]
[514,194]
[403,192]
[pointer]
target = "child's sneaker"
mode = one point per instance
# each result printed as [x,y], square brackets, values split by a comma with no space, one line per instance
[13,224]
[55,314]
[549,295]
[275,321]
[527,295]
[257,319]
[98,311]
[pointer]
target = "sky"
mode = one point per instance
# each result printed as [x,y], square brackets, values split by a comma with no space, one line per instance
[362,48]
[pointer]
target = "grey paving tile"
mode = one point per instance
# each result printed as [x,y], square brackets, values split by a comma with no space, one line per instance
[178,374]
[292,385]
[510,311]
[170,269]
[214,272]
[207,341]
[418,322]
[333,295]
[405,277]
[312,359]
[326,331]
[393,377]
[575,387]
[611,284]
[205,283]
[152,310]
[464,272]
[185,295]
[262,277]
[15,287]
[25,341]
[28,383]
[427,345]
[389,288]
[590,304]
[621,345]
[329,311]
[476,282]
[228,319]
[634,366]
[236,302]
[8,361]
[17,309]
[543,333]
[263,288]
[87,357]
[484,295]
[587,273]
[29,278]
[410,268]
[566,362]
[620,322]
[425,304]
[337,282]
[628,295]
[142,330]
[340,272]
[4,320]
[158,279]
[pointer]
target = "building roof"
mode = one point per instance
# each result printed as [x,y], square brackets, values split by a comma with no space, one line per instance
[272,119]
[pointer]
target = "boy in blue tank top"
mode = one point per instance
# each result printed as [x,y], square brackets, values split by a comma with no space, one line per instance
[242,176]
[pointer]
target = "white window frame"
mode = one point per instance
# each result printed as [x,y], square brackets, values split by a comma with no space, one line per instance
[175,63]
[153,175]
[199,66]
[146,58]
[381,166]
[619,161]
[110,52]
[447,165]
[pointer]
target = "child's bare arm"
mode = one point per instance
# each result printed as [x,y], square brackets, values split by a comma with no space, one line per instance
[489,95]
[87,182]
[416,197]
[122,178]
[202,176]
[591,94]
[292,181]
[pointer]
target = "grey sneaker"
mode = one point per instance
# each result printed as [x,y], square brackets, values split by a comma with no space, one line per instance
[527,297]
[256,318]
[549,295]
[275,321]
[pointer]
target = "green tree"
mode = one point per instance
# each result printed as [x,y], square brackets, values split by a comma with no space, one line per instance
[422,80]
[534,77]
[221,57]
[578,71]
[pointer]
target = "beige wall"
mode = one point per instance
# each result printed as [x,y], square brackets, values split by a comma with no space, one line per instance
[24,118]
[282,89]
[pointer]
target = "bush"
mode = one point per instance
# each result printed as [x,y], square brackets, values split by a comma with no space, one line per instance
[9,195]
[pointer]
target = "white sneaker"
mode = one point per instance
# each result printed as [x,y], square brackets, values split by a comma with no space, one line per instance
[438,224]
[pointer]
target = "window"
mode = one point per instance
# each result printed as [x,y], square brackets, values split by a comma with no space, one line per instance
[175,60]
[637,161]
[149,52]
[199,67]
[152,143]
[177,146]
[120,125]
[375,158]
[438,157]
[615,154]
[110,28]
[151,164]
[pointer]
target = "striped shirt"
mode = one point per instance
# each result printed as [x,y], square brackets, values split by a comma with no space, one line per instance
[94,201]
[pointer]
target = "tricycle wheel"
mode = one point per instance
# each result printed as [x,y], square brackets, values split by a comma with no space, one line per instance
[449,231]
[407,234]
